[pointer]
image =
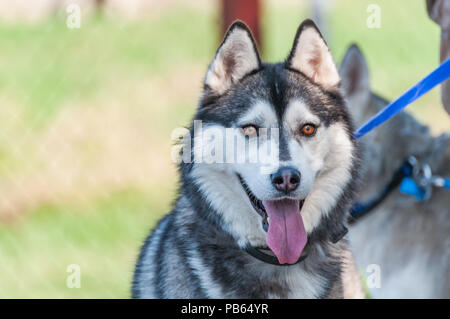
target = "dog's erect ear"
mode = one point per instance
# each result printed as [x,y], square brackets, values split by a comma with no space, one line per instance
[354,73]
[436,11]
[236,57]
[311,56]
[355,84]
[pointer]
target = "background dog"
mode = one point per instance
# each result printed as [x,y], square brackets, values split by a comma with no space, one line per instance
[407,238]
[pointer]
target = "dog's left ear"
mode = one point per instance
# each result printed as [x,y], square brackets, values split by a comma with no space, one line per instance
[236,57]
[310,55]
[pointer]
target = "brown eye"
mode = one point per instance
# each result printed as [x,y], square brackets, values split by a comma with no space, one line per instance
[308,129]
[249,130]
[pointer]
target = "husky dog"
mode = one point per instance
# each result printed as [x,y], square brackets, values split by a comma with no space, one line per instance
[239,229]
[408,239]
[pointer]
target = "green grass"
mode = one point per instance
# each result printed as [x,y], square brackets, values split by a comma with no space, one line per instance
[47,67]
[403,50]
[406,45]
[102,237]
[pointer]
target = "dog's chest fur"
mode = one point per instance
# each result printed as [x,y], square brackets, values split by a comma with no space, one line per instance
[189,256]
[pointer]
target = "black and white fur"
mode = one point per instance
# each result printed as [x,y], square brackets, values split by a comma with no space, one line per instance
[196,251]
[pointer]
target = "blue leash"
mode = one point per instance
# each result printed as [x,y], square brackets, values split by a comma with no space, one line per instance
[413,180]
[439,75]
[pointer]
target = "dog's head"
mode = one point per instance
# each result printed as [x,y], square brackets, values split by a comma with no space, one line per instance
[272,143]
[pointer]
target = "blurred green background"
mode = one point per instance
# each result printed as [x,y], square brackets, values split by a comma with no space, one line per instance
[86,116]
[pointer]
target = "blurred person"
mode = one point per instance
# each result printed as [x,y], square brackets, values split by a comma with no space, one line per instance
[439,12]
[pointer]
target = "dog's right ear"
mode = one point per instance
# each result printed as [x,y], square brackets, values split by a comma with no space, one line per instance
[354,72]
[236,57]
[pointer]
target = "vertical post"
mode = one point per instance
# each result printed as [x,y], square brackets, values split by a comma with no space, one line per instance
[99,4]
[245,10]
[319,13]
[439,12]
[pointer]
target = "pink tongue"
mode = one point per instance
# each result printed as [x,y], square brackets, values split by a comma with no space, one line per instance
[286,236]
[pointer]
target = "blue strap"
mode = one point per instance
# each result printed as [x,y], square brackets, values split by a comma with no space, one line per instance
[447,183]
[410,187]
[439,75]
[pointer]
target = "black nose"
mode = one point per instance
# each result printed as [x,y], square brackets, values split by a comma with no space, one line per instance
[286,179]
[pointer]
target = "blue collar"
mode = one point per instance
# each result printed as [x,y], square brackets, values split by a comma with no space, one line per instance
[360,209]
[412,178]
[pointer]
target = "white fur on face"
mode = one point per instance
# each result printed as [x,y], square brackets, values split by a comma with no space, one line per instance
[313,58]
[265,149]
[253,158]
[334,153]
[219,182]
[324,161]
[260,113]
[225,194]
[297,114]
